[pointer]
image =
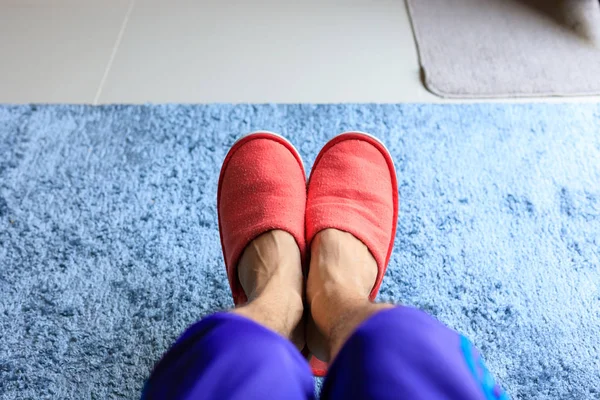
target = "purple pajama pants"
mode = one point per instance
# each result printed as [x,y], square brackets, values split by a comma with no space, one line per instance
[401,353]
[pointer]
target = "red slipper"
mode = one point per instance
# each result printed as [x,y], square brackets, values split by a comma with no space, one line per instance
[353,188]
[262,187]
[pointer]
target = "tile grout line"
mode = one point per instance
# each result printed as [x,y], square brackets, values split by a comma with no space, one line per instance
[113,53]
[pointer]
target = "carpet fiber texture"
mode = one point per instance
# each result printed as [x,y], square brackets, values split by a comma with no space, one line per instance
[109,245]
[508,48]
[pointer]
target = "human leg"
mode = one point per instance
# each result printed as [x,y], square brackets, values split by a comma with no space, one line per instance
[270,273]
[352,196]
[382,351]
[248,352]
[341,275]
[379,351]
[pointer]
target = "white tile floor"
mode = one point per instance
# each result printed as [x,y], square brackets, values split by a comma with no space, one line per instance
[138,51]
[201,51]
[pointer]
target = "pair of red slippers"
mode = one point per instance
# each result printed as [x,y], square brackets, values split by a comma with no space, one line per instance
[262,187]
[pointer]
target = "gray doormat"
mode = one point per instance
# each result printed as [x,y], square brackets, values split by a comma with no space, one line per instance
[508,48]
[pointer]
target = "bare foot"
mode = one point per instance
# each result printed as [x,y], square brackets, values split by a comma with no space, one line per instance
[341,276]
[270,272]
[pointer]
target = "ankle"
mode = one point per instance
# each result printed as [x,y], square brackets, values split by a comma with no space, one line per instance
[341,276]
[338,318]
[331,289]
[270,273]
[279,285]
[341,265]
[329,307]
[279,310]
[269,263]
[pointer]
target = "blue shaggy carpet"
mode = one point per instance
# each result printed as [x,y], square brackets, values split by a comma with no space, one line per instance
[109,245]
